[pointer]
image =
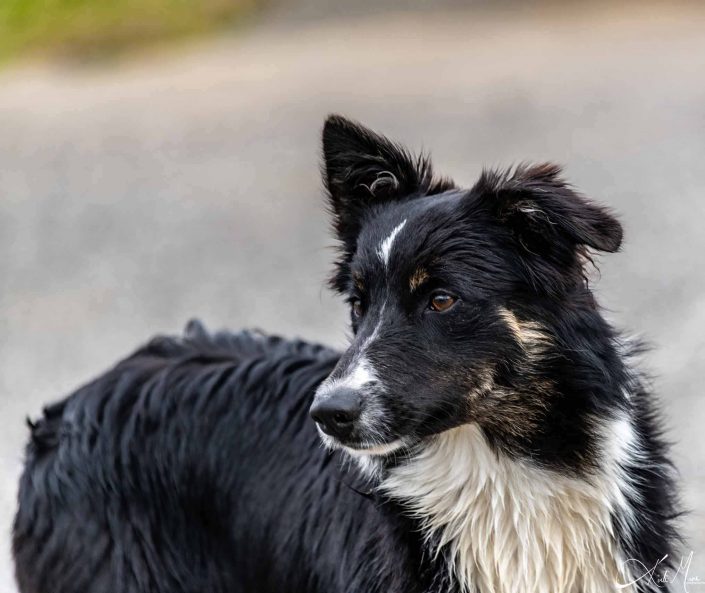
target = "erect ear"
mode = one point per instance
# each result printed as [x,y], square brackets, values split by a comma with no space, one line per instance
[362,168]
[549,219]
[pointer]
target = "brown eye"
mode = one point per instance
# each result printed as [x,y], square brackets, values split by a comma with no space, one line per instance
[441,302]
[356,306]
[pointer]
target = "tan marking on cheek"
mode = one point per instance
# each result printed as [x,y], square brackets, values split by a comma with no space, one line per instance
[529,334]
[518,412]
[357,280]
[417,278]
[484,385]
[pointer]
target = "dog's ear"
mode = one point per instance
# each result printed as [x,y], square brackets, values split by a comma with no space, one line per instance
[553,225]
[362,168]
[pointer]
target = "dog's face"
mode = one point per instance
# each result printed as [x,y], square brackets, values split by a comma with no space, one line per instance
[449,293]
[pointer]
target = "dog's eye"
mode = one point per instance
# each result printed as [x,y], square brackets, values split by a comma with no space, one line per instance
[356,308]
[441,301]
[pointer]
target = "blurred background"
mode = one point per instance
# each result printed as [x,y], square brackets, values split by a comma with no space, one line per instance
[159,161]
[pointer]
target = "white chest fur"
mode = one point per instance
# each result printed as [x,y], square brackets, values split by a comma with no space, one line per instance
[510,527]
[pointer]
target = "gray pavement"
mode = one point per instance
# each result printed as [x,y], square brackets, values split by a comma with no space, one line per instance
[186,184]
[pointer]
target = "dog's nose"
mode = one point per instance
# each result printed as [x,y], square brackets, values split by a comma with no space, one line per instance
[337,413]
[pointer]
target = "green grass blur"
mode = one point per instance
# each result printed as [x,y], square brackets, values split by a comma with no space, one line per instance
[91,29]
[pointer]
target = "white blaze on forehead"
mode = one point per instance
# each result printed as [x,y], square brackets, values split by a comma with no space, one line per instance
[386,246]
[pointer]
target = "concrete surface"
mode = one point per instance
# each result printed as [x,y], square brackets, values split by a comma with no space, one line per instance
[135,197]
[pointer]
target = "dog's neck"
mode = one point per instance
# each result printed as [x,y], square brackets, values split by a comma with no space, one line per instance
[507,526]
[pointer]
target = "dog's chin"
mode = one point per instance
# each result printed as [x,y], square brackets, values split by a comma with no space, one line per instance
[363,448]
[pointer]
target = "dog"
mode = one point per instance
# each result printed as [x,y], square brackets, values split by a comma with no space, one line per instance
[487,430]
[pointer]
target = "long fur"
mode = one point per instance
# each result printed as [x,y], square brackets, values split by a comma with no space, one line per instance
[503,442]
[193,466]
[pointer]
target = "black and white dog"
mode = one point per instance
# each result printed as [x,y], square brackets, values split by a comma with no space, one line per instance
[500,438]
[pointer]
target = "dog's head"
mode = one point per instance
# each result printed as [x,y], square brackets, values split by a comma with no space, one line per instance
[454,294]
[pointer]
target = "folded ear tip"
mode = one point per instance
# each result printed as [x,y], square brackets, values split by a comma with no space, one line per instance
[601,229]
[612,236]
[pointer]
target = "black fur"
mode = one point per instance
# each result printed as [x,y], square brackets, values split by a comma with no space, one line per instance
[193,466]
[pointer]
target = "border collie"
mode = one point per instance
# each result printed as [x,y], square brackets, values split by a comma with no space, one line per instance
[499,436]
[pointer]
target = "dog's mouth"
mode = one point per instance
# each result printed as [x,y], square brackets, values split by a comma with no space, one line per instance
[379,450]
[361,448]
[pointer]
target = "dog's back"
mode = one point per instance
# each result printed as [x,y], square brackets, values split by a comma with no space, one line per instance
[169,473]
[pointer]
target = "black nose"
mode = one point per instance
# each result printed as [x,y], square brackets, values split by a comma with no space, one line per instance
[337,413]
